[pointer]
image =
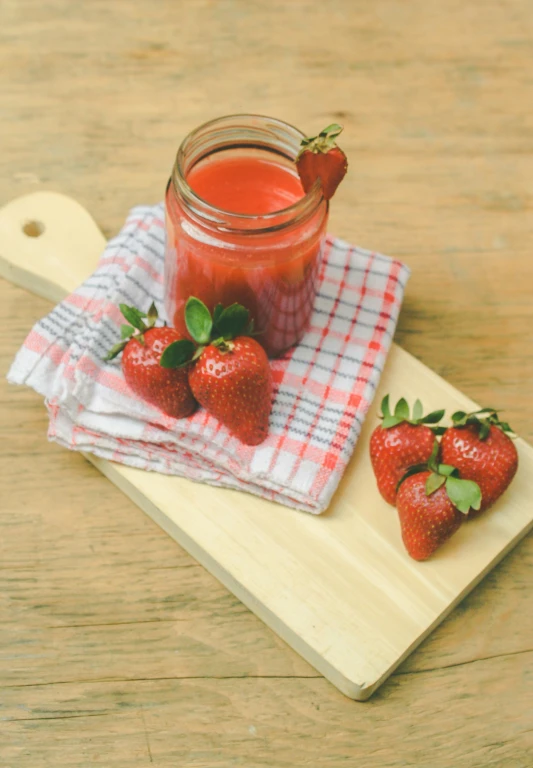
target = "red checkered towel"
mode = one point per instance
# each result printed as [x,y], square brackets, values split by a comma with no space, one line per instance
[323,387]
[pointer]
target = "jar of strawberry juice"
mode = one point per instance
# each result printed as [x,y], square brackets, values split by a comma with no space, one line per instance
[239,227]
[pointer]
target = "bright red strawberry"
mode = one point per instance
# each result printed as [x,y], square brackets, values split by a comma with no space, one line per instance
[234,382]
[230,374]
[142,347]
[432,504]
[480,447]
[426,521]
[320,158]
[400,442]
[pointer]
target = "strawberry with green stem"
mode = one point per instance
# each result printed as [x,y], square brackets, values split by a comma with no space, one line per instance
[481,448]
[229,372]
[142,346]
[432,502]
[401,441]
[321,158]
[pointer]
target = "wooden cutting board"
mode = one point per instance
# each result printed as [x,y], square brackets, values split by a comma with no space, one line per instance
[340,588]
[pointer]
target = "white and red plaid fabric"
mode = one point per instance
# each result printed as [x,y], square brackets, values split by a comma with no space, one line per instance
[323,387]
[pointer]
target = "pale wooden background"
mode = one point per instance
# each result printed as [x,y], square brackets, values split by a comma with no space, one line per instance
[116,649]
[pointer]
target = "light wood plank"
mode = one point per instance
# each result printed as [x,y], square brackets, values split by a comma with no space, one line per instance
[435,102]
[339,589]
[207,722]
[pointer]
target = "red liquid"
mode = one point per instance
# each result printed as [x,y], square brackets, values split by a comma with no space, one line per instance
[246,185]
[273,274]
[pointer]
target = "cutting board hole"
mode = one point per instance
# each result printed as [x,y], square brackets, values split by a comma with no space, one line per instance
[33,228]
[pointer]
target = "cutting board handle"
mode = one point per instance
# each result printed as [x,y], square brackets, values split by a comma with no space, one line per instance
[49,244]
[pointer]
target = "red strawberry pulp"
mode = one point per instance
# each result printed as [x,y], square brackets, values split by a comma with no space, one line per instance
[248,185]
[272,274]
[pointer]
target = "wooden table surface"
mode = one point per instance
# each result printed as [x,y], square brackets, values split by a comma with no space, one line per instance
[116,648]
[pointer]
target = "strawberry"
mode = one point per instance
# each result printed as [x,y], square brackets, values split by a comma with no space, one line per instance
[230,375]
[320,158]
[479,445]
[233,381]
[432,505]
[142,346]
[400,442]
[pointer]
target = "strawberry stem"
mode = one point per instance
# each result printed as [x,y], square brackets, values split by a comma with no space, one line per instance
[139,323]
[464,494]
[332,131]
[482,420]
[226,323]
[402,413]
[321,143]
[219,330]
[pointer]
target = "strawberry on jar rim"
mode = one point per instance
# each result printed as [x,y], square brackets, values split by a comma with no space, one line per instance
[142,346]
[229,373]
[481,448]
[321,158]
[401,441]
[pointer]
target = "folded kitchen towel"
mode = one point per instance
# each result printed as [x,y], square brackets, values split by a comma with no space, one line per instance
[322,387]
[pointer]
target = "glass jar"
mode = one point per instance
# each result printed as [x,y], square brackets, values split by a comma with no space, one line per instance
[267,261]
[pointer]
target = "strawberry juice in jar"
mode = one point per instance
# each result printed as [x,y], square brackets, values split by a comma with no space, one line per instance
[239,227]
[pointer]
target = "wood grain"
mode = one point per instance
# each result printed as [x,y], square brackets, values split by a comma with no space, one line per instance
[435,102]
[340,588]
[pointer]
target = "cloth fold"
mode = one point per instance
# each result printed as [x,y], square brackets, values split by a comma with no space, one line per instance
[323,387]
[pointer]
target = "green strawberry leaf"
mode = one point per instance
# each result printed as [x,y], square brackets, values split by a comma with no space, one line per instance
[177,354]
[219,308]
[116,350]
[482,420]
[232,321]
[198,320]
[438,430]
[134,316]
[433,417]
[484,413]
[402,409]
[390,421]
[434,482]
[458,416]
[332,131]
[418,410]
[505,427]
[447,470]
[152,314]
[198,353]
[126,331]
[483,427]
[464,494]
[432,461]
[385,406]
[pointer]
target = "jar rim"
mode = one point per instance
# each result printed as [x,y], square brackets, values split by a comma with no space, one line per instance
[293,213]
